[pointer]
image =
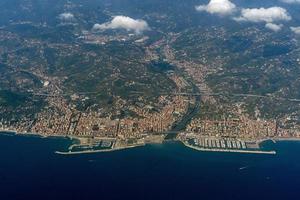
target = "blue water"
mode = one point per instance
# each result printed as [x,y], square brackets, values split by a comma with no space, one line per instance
[29,169]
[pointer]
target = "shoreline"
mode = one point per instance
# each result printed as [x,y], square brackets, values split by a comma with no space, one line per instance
[74,138]
[287,139]
[15,132]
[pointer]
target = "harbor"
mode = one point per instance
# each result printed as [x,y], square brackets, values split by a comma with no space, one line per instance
[97,145]
[214,144]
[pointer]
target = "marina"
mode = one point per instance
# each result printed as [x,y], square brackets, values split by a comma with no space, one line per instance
[88,145]
[224,145]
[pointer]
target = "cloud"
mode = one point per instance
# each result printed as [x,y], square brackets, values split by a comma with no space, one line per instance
[66,16]
[290,1]
[296,30]
[221,7]
[124,22]
[274,27]
[268,15]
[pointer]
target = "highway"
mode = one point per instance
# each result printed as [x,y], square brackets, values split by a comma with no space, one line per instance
[233,94]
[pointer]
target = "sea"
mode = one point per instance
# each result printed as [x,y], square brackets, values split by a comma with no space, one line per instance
[30,169]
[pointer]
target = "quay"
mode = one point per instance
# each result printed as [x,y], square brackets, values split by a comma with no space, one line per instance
[96,151]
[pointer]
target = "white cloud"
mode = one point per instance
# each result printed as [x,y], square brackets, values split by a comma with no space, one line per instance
[221,7]
[268,15]
[124,22]
[274,27]
[291,1]
[66,16]
[296,30]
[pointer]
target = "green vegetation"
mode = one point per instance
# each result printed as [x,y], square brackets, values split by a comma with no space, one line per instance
[9,98]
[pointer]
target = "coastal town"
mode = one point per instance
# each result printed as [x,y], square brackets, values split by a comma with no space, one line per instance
[98,132]
[174,100]
[149,99]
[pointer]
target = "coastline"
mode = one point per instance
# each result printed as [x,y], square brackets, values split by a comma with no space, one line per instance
[16,133]
[74,139]
[293,139]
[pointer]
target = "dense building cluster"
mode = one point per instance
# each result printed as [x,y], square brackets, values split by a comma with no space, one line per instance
[59,119]
[241,128]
